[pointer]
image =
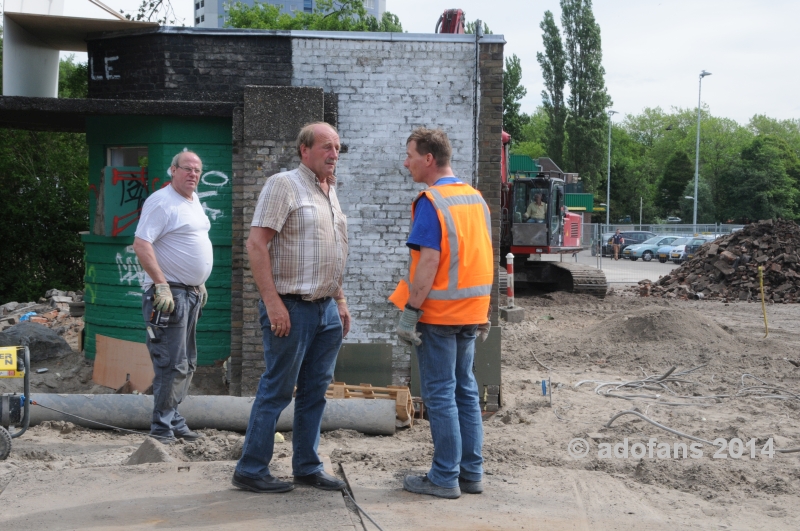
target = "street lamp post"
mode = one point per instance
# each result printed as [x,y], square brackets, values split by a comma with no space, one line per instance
[608,179]
[697,150]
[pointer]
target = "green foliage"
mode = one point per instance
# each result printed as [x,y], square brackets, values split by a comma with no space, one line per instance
[513,91]
[45,203]
[553,63]
[532,140]
[587,99]
[73,79]
[341,15]
[705,203]
[677,173]
[469,28]
[759,186]
[632,179]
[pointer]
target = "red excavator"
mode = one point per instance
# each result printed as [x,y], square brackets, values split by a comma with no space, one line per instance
[529,236]
[553,230]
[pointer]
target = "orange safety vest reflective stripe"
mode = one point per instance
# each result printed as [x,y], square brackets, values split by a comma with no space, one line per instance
[463,283]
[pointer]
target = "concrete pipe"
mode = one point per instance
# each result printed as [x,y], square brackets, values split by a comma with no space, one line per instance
[133,412]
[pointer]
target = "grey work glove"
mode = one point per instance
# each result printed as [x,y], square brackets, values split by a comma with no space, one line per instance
[203,295]
[483,330]
[162,299]
[407,327]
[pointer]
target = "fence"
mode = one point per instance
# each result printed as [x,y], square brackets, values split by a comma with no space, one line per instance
[632,270]
[596,252]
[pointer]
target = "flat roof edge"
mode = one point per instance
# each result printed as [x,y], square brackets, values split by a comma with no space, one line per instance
[306,34]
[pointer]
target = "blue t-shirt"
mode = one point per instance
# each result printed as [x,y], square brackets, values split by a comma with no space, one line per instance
[426,230]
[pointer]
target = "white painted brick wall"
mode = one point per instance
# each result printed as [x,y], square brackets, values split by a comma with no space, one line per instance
[385,90]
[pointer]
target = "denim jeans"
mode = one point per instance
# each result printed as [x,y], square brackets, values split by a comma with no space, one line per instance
[174,357]
[307,357]
[450,393]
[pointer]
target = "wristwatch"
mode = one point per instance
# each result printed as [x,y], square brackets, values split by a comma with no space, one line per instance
[409,307]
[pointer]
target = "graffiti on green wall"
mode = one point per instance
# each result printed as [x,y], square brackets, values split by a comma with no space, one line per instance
[214,179]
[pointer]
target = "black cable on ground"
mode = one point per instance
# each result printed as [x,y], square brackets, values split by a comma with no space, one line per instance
[352,499]
[100,423]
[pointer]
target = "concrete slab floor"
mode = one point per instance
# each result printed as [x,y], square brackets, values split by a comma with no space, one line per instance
[561,500]
[163,496]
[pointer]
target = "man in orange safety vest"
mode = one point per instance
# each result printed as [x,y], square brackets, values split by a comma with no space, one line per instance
[445,303]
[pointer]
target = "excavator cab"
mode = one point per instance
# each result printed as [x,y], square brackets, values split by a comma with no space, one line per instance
[538,223]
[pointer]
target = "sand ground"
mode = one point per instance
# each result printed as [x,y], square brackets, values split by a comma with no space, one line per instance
[744,387]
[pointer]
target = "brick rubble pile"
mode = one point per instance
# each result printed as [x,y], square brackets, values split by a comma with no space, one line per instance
[58,310]
[728,267]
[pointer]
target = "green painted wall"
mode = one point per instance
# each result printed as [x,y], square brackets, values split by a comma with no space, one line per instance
[580,200]
[113,275]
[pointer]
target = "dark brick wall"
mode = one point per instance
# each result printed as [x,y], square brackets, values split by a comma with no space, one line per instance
[264,143]
[187,67]
[490,128]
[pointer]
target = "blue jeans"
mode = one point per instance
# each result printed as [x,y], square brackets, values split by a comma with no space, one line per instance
[307,357]
[450,393]
[174,357]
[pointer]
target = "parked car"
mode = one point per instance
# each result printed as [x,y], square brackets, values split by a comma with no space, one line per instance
[673,219]
[630,237]
[679,253]
[598,244]
[647,249]
[663,252]
[694,245]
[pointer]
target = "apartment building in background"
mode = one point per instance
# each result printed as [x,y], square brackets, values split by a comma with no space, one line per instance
[211,13]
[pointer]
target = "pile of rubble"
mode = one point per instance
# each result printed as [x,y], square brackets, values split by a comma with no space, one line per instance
[728,268]
[55,322]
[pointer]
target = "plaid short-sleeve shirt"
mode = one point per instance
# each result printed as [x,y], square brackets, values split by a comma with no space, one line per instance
[309,251]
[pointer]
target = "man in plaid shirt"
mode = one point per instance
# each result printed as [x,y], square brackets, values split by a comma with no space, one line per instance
[298,249]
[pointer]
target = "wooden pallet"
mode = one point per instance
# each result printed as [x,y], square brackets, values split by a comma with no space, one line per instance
[400,394]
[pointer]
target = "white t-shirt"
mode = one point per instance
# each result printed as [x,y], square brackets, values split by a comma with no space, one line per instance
[178,230]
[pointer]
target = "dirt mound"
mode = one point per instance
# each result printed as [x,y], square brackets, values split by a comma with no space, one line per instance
[728,268]
[659,324]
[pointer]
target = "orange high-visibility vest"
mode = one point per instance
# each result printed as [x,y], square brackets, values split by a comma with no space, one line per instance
[463,283]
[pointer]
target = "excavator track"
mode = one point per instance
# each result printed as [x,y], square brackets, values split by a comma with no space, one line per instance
[585,279]
[563,276]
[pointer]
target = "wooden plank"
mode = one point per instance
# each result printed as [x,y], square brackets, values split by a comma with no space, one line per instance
[116,359]
[404,406]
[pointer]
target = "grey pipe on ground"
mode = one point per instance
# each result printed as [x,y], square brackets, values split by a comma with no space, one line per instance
[133,412]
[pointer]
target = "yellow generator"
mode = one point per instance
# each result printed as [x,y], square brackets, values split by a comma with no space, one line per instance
[15,362]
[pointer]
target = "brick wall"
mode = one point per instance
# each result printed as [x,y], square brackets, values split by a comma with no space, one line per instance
[191,67]
[264,143]
[376,91]
[490,128]
[385,90]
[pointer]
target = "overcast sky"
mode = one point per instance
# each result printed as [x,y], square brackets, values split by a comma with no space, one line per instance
[653,50]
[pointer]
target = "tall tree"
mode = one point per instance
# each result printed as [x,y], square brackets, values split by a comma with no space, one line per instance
[553,63]
[706,213]
[469,28]
[677,173]
[513,91]
[759,187]
[588,100]
[532,139]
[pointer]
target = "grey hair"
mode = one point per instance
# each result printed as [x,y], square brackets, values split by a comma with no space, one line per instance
[306,135]
[177,158]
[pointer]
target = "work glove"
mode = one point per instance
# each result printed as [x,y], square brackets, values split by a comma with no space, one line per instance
[162,299]
[203,295]
[407,327]
[483,330]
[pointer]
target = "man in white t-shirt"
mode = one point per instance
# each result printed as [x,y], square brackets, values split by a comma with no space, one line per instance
[174,249]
